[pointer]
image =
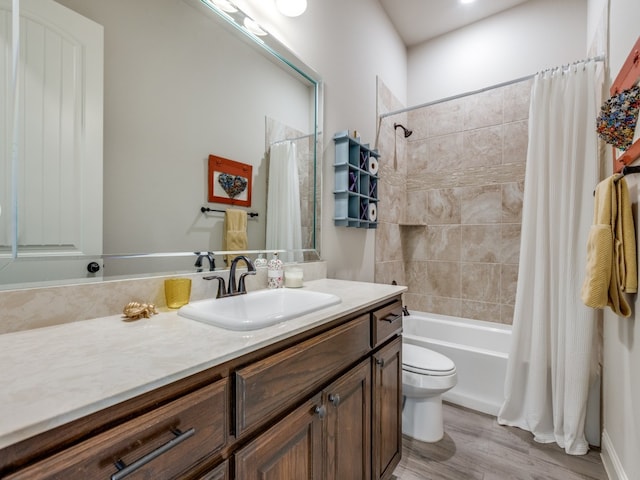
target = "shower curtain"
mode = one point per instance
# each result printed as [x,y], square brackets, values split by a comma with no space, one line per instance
[554,334]
[284,226]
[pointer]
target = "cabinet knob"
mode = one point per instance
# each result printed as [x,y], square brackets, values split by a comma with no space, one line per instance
[320,411]
[380,361]
[334,399]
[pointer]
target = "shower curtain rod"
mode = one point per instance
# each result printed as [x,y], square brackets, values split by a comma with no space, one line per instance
[302,137]
[599,58]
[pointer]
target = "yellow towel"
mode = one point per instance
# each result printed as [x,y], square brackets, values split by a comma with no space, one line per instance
[235,232]
[611,249]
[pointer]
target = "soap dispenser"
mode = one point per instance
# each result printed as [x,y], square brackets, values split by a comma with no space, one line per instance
[260,261]
[274,272]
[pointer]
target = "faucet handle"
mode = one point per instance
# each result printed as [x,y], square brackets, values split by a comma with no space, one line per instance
[221,286]
[241,284]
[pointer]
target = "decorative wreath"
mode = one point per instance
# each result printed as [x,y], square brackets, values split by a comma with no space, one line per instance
[616,123]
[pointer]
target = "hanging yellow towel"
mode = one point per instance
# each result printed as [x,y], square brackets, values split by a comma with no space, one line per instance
[235,232]
[611,249]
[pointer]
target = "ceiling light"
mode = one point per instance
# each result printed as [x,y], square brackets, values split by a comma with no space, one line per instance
[467,1]
[291,8]
[253,27]
[224,5]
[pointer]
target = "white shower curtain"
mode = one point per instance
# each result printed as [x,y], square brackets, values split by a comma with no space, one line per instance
[284,226]
[551,360]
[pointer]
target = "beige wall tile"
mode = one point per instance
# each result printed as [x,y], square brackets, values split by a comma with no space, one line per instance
[484,109]
[483,146]
[516,101]
[510,243]
[388,244]
[387,272]
[443,206]
[443,242]
[443,279]
[515,149]
[509,282]
[414,244]
[506,314]
[512,195]
[416,211]
[444,305]
[416,276]
[481,204]
[489,312]
[481,243]
[444,152]
[480,282]
[446,117]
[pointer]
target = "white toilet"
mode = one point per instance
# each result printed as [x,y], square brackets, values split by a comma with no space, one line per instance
[426,375]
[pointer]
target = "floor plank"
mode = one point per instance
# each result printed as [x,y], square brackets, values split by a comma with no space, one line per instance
[475,447]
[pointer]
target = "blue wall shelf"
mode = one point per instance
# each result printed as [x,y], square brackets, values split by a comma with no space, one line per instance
[356,183]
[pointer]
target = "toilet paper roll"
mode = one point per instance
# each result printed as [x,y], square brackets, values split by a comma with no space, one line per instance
[373,212]
[373,165]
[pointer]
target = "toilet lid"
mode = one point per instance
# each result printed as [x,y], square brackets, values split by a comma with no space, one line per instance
[422,360]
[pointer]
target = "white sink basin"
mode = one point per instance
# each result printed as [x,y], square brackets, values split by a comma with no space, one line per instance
[259,309]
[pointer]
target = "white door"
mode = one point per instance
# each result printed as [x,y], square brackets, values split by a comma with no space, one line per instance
[60,104]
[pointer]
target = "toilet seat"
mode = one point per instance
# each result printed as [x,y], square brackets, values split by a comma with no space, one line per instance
[423,361]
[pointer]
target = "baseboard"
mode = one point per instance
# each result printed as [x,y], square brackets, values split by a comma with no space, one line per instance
[610,460]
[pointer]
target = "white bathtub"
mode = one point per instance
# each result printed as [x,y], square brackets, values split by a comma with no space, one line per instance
[479,350]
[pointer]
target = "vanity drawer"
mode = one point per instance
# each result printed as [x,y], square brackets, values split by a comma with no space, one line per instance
[271,386]
[386,322]
[161,444]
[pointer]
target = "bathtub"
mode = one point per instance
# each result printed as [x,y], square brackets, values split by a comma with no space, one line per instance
[479,350]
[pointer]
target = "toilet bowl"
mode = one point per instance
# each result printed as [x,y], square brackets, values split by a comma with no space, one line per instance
[426,375]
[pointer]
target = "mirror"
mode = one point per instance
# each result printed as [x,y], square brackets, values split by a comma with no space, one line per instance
[181,82]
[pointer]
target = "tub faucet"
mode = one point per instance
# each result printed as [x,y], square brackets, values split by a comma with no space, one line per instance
[232,289]
[405,311]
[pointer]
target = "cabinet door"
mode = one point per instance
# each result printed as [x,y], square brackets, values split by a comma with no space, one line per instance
[348,402]
[387,409]
[291,449]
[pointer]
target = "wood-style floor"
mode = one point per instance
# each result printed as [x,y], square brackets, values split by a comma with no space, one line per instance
[476,447]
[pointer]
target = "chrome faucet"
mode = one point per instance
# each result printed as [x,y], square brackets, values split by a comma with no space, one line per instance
[209,257]
[233,289]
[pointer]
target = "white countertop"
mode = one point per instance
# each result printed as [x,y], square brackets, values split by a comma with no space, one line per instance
[53,375]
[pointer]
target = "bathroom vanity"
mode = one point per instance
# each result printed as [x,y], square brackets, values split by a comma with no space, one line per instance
[315,398]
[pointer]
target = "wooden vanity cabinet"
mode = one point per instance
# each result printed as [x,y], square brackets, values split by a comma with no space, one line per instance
[323,405]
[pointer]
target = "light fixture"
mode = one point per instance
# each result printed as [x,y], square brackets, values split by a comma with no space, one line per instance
[224,5]
[467,1]
[253,27]
[291,8]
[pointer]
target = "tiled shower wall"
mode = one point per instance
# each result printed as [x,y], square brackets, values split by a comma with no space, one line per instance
[455,243]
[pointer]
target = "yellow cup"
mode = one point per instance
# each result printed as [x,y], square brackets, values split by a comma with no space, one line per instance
[177,291]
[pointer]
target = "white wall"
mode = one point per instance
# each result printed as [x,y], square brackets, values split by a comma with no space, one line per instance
[621,388]
[521,41]
[349,43]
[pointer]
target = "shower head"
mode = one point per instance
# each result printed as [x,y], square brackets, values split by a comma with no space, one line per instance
[407,132]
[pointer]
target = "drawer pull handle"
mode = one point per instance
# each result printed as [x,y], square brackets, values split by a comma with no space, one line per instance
[380,361]
[124,470]
[334,399]
[320,410]
[392,318]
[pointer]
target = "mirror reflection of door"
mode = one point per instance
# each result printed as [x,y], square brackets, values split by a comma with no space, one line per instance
[59,136]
